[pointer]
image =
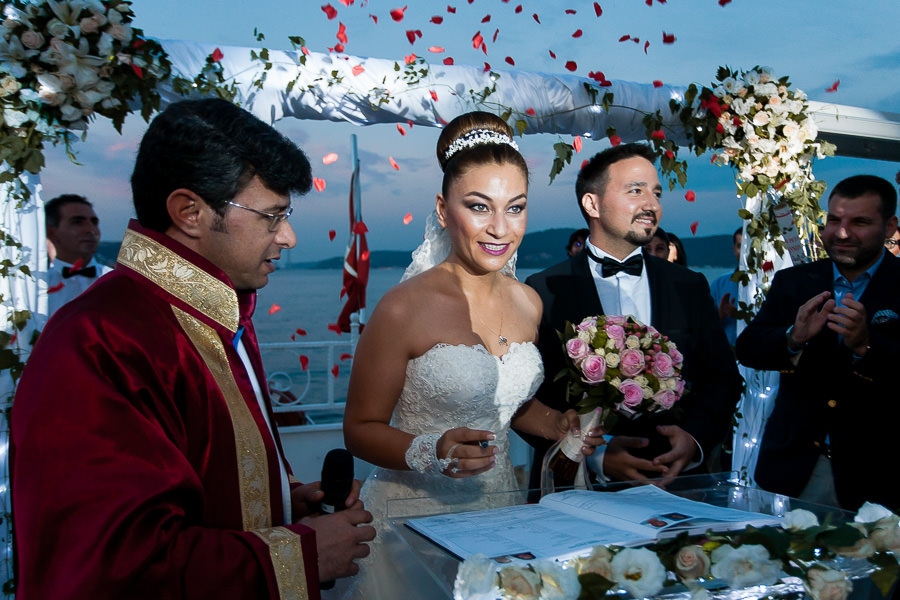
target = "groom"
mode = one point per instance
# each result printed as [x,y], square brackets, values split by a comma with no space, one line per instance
[619,192]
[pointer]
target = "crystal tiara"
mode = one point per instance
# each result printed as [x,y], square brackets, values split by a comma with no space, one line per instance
[477,137]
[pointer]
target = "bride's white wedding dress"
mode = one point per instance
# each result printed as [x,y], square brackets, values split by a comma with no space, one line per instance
[447,387]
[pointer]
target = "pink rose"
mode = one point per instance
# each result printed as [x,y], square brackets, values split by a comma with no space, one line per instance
[676,356]
[615,319]
[691,562]
[679,388]
[616,332]
[663,366]
[632,392]
[586,324]
[577,349]
[89,25]
[594,368]
[32,40]
[665,398]
[631,362]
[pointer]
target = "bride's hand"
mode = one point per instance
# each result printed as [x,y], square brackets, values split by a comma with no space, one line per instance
[467,450]
[569,421]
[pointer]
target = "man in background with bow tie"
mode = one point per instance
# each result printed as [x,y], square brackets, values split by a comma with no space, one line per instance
[618,192]
[74,231]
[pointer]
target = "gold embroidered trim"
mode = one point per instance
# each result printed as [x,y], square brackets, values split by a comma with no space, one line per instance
[178,276]
[286,552]
[252,466]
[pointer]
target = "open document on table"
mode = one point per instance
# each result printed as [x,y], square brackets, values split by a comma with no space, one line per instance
[566,524]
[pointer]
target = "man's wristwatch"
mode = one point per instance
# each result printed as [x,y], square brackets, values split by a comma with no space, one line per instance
[794,349]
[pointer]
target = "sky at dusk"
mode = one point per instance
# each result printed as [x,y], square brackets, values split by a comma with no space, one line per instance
[814,42]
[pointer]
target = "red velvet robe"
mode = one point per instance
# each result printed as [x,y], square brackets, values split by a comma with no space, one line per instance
[142,466]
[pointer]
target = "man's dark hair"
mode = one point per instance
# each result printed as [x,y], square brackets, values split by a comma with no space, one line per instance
[214,149]
[859,185]
[53,208]
[579,235]
[594,176]
[737,232]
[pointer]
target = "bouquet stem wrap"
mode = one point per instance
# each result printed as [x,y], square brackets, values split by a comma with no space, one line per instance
[569,447]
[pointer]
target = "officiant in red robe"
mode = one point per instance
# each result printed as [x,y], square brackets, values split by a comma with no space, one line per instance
[148,464]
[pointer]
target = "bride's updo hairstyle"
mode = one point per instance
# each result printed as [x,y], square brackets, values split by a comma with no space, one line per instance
[473,140]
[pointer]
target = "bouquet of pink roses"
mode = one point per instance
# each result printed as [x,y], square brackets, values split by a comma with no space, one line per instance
[621,366]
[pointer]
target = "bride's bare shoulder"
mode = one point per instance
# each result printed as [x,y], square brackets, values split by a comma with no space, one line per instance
[416,295]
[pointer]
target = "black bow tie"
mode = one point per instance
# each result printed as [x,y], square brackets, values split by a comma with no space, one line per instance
[631,266]
[86,272]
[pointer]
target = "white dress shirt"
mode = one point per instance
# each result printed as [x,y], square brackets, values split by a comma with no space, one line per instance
[57,294]
[621,294]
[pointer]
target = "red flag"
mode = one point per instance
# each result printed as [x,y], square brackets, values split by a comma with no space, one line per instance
[356,265]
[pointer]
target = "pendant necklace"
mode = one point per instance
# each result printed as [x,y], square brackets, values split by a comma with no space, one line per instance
[500,339]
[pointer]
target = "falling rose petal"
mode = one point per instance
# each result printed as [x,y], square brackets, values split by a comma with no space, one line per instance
[624,38]
[78,264]
[305,50]
[496,33]
[510,60]
[407,219]
[690,196]
[518,9]
[448,61]
[615,140]
[293,337]
[331,234]
[400,129]
[487,67]
[724,2]
[319,184]
[56,288]
[578,33]
[329,158]
[694,227]
[397,14]
[437,20]
[346,2]
[346,356]
[334,327]
[217,55]
[712,160]
[410,58]
[768,266]
[301,331]
[583,164]
[597,10]
[451,10]
[530,111]
[670,154]
[433,95]
[335,370]
[358,69]
[435,49]
[412,34]
[536,18]
[659,134]
[410,123]
[648,2]
[274,309]
[477,40]
[342,33]
[304,362]
[571,65]
[646,45]
[668,38]
[552,54]
[636,40]
[486,19]
[137,71]
[360,228]
[570,11]
[657,83]
[577,144]
[330,11]
[393,162]
[374,18]
[338,48]
[834,86]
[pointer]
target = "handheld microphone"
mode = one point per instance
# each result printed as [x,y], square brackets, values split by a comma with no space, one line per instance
[337,480]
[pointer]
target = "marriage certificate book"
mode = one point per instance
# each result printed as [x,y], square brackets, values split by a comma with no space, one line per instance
[570,523]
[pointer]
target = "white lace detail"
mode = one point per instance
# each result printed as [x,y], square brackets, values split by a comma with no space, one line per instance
[421,456]
[435,248]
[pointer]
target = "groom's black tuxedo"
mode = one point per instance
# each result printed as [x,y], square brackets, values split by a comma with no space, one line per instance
[682,308]
[827,393]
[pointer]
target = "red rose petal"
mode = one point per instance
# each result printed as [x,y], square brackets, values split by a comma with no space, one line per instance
[615,140]
[433,95]
[583,164]
[768,266]
[397,14]
[360,228]
[358,69]
[345,356]
[657,83]
[319,184]
[437,20]
[331,234]
[329,158]
[487,67]
[690,196]
[518,9]
[530,111]
[335,328]
[407,219]
[335,370]
[448,61]
[274,309]
[330,11]
[724,2]
[477,40]
[552,54]
[346,2]
[720,128]
[436,49]
[400,129]
[668,38]
[486,19]
[578,33]
[570,11]
[694,227]
[577,144]
[670,154]
[305,50]
[571,65]
[304,362]
[496,33]
[374,18]
[510,60]
[536,18]
[834,86]
[624,38]
[597,9]
[412,34]
[301,331]
[338,48]
[393,162]
[137,70]
[659,134]
[217,55]
[77,265]
[342,33]
[646,45]
[411,58]
[451,10]
[56,288]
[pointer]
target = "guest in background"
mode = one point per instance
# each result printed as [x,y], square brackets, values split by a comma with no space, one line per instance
[576,241]
[725,291]
[677,254]
[893,243]
[658,246]
[832,328]
[73,229]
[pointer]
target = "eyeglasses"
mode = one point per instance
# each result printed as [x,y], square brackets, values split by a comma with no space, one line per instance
[890,243]
[274,219]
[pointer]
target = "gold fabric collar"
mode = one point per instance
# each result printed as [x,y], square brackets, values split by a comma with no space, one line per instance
[186,281]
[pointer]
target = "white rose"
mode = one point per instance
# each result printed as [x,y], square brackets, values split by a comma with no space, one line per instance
[863,548]
[32,39]
[557,581]
[476,579]
[638,571]
[766,74]
[120,31]
[105,44]
[57,28]
[612,360]
[89,25]
[14,118]
[795,107]
[9,86]
[598,562]
[761,118]
[751,78]
[823,583]
[632,342]
[871,512]
[885,535]
[691,562]
[745,566]
[520,582]
[584,336]
[799,519]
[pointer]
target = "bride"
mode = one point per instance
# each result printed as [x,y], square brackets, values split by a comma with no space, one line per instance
[447,360]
